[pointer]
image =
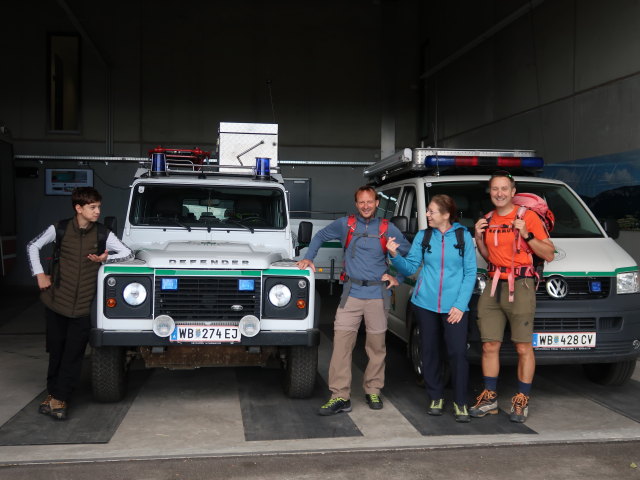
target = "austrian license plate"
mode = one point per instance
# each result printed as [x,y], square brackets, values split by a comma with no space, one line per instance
[205,334]
[565,340]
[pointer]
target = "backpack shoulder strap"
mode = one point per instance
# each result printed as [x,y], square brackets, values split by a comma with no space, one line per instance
[460,240]
[382,232]
[351,227]
[61,228]
[426,240]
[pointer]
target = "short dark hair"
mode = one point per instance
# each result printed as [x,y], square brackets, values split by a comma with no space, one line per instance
[84,195]
[446,204]
[505,174]
[365,188]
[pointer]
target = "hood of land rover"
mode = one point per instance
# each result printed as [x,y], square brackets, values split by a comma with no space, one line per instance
[208,255]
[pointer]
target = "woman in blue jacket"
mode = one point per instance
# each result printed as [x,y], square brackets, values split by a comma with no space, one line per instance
[441,300]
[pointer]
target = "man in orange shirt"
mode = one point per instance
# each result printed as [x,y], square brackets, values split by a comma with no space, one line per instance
[511,297]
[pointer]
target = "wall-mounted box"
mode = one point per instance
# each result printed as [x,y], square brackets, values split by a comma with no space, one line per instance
[62,181]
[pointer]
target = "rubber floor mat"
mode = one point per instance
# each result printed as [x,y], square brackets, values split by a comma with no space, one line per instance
[402,389]
[88,421]
[268,414]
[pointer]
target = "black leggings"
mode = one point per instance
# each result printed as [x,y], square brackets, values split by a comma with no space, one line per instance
[66,343]
[434,328]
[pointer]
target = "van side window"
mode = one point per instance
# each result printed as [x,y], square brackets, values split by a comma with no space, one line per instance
[388,202]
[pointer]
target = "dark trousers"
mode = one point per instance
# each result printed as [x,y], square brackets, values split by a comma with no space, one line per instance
[66,343]
[434,328]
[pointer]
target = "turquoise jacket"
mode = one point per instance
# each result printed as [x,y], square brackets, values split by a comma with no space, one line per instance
[447,279]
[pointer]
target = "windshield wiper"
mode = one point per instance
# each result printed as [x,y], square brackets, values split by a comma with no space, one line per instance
[239,224]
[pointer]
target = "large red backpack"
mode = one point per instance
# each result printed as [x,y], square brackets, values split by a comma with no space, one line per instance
[538,205]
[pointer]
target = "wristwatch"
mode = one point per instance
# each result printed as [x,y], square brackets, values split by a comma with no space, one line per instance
[529,237]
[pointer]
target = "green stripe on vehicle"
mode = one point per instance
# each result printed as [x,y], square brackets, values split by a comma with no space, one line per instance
[128,270]
[548,273]
[277,271]
[210,273]
[331,245]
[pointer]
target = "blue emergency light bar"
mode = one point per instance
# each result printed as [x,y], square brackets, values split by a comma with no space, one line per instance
[475,161]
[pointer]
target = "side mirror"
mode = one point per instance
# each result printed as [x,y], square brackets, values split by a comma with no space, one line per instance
[112,224]
[611,227]
[401,222]
[304,235]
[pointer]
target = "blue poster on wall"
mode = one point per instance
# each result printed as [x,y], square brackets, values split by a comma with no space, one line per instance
[609,185]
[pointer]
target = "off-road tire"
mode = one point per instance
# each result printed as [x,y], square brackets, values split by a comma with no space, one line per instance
[300,371]
[108,374]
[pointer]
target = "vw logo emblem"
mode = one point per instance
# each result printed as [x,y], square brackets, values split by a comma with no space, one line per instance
[236,308]
[557,287]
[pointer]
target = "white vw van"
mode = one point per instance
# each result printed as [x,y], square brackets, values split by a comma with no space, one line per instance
[588,303]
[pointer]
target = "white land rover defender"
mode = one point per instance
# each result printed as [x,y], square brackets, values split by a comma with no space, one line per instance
[588,301]
[212,283]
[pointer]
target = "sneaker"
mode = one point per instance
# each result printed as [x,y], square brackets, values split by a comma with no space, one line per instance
[436,407]
[519,408]
[461,413]
[374,401]
[44,407]
[58,409]
[335,405]
[487,402]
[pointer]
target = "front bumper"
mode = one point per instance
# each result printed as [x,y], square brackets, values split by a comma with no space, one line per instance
[616,321]
[119,338]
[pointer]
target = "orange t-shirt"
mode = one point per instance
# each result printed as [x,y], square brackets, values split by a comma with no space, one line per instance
[501,229]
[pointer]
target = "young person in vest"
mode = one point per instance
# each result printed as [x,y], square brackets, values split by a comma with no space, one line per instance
[510,296]
[69,291]
[365,294]
[441,299]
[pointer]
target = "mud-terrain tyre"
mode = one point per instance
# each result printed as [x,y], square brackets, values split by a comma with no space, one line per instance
[108,374]
[300,371]
[610,374]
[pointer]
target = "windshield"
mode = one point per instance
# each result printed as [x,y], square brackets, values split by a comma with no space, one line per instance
[193,206]
[472,199]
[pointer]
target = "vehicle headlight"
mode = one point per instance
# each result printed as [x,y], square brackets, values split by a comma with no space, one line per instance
[134,294]
[481,283]
[627,283]
[280,295]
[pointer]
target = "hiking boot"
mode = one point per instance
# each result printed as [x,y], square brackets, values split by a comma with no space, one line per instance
[461,413]
[335,405]
[58,409]
[519,408]
[487,402]
[374,401]
[436,407]
[44,407]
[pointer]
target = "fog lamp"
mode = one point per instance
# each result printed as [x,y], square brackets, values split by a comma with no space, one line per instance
[249,325]
[163,325]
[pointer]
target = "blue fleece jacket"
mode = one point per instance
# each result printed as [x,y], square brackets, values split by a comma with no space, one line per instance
[447,279]
[364,258]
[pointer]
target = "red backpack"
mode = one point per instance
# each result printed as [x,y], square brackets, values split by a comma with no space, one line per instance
[538,205]
[382,232]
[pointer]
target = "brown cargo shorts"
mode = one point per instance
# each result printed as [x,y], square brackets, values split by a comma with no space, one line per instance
[494,312]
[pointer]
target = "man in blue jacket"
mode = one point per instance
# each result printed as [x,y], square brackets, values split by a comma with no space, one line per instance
[365,294]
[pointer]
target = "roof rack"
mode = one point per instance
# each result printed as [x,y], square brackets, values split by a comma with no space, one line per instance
[437,161]
[185,167]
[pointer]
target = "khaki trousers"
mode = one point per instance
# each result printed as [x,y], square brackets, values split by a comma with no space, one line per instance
[346,326]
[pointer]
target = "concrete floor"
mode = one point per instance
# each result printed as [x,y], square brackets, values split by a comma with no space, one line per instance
[166,421]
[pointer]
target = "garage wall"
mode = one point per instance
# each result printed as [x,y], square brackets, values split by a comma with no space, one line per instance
[168,74]
[563,80]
